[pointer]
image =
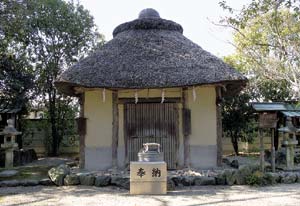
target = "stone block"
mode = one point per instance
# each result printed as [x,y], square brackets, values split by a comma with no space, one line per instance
[71,180]
[188,181]
[120,181]
[220,179]
[170,184]
[46,182]
[88,180]
[230,177]
[298,177]
[234,164]
[146,188]
[148,171]
[177,180]
[57,174]
[275,177]
[289,178]
[205,181]
[102,181]
[148,178]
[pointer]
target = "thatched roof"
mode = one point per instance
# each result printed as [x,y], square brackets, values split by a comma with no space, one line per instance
[149,52]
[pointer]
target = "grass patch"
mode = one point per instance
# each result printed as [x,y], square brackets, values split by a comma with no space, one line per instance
[29,172]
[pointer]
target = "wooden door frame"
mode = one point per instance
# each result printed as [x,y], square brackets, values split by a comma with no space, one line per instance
[124,101]
[149,100]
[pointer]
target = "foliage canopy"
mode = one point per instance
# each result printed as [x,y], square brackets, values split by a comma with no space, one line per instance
[45,37]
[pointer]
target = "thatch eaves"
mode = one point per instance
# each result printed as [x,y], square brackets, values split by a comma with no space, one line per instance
[149,52]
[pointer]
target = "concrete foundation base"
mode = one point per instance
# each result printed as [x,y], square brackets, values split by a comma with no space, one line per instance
[203,156]
[100,158]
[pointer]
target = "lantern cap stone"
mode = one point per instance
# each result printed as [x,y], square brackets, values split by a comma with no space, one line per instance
[10,130]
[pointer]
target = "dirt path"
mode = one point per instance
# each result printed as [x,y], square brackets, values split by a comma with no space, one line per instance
[111,196]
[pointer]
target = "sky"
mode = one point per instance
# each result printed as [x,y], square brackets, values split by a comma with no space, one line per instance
[197,17]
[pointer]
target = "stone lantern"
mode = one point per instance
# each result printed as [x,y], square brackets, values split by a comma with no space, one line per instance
[9,144]
[288,142]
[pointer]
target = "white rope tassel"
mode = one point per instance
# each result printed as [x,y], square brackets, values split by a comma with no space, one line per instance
[162,96]
[136,97]
[194,94]
[224,88]
[103,95]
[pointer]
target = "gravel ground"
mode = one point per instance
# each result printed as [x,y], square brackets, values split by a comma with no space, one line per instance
[205,195]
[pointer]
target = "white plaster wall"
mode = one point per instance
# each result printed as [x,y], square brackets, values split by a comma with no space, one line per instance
[99,126]
[203,116]
[203,138]
[99,119]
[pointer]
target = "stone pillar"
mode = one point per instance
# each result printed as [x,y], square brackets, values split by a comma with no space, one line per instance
[9,158]
[290,153]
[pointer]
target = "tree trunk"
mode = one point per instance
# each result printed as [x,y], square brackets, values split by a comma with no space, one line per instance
[54,134]
[235,144]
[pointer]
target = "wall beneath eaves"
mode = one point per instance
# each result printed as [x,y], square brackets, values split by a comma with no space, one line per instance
[203,138]
[98,154]
[203,149]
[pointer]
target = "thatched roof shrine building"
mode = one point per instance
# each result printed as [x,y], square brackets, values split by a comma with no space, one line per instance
[150,84]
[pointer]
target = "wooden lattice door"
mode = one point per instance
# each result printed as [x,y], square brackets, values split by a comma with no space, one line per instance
[152,122]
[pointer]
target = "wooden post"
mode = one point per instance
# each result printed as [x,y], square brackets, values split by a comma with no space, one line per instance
[115,129]
[82,135]
[273,150]
[125,135]
[186,135]
[262,151]
[276,136]
[219,126]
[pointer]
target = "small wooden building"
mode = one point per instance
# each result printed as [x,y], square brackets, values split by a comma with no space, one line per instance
[150,84]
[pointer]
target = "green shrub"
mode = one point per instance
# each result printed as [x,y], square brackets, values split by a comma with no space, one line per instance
[259,179]
[255,178]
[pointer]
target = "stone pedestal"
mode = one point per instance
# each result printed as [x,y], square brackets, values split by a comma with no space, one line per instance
[290,153]
[9,158]
[9,154]
[148,178]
